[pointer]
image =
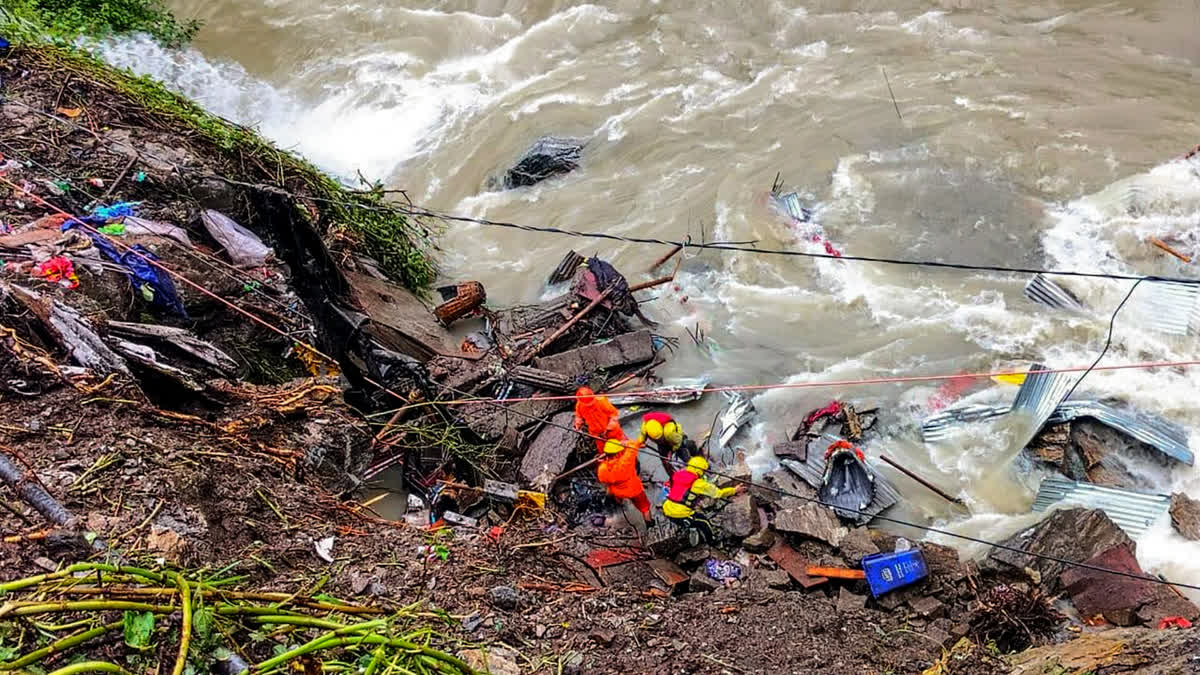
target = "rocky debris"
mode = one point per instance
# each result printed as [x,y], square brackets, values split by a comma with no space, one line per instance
[1087,450]
[857,544]
[549,156]
[1067,534]
[739,518]
[811,520]
[928,607]
[504,597]
[1185,516]
[848,602]
[759,542]
[779,579]
[602,636]
[496,660]
[700,582]
[1126,650]
[398,319]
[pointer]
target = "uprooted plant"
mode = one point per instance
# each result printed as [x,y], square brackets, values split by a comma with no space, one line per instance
[1014,617]
[209,622]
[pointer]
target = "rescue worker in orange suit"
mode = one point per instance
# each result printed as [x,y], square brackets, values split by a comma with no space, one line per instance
[668,438]
[685,487]
[618,472]
[599,415]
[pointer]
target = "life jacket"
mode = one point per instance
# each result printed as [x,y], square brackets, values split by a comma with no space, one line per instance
[680,490]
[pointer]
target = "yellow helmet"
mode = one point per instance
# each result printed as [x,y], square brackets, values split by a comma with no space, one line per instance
[673,433]
[612,446]
[697,465]
[653,429]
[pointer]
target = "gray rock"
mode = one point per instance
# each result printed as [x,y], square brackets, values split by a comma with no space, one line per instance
[504,597]
[810,520]
[602,636]
[928,607]
[759,542]
[1185,516]
[775,578]
[693,555]
[498,660]
[702,583]
[1068,534]
[850,602]
[857,545]
[739,518]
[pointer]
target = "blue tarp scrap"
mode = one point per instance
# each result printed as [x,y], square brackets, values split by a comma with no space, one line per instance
[152,282]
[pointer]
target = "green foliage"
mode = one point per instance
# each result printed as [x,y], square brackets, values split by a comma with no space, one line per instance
[139,626]
[402,246]
[65,20]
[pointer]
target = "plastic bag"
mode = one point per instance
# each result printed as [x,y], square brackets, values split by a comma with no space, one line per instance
[244,248]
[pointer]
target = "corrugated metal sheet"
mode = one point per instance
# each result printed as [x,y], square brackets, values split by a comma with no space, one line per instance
[1169,438]
[936,427]
[1133,511]
[812,471]
[1038,396]
[679,391]
[1167,307]
[1043,291]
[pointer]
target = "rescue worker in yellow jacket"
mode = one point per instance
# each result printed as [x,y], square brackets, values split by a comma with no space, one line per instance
[668,438]
[685,487]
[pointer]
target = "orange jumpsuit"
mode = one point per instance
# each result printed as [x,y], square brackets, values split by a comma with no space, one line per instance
[600,417]
[618,472]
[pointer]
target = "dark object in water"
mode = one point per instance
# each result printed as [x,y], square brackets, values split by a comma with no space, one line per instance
[546,158]
[847,485]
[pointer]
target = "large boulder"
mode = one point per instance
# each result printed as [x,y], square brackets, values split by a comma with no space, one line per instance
[547,157]
[740,517]
[1185,516]
[809,519]
[1116,598]
[1067,534]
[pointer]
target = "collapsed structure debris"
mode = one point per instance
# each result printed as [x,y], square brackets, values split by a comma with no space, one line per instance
[547,157]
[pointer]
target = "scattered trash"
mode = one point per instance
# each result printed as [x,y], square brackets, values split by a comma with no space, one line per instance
[139,226]
[1174,622]
[242,246]
[459,519]
[736,414]
[115,210]
[70,113]
[725,571]
[889,571]
[115,229]
[139,177]
[673,393]
[58,270]
[1133,511]
[96,182]
[324,549]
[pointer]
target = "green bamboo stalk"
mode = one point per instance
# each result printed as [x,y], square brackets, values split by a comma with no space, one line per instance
[30,609]
[315,644]
[90,667]
[374,661]
[329,642]
[59,646]
[185,636]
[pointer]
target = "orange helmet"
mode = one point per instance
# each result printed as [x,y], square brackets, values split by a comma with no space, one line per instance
[585,394]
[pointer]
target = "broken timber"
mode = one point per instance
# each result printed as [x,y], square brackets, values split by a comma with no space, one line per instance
[623,350]
[399,321]
[544,379]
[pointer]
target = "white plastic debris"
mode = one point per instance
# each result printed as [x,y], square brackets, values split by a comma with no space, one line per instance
[242,246]
[325,549]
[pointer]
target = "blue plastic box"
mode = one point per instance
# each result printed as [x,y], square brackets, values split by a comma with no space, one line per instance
[888,571]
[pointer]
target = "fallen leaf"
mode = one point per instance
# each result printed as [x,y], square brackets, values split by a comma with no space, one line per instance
[70,112]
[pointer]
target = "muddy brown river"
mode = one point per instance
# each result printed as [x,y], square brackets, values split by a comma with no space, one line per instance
[1039,134]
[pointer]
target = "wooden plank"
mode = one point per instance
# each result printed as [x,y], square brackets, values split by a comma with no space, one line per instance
[624,350]
[835,572]
[671,574]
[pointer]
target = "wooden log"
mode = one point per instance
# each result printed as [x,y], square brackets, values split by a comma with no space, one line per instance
[670,254]
[565,327]
[544,379]
[469,296]
[32,493]
[1164,246]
